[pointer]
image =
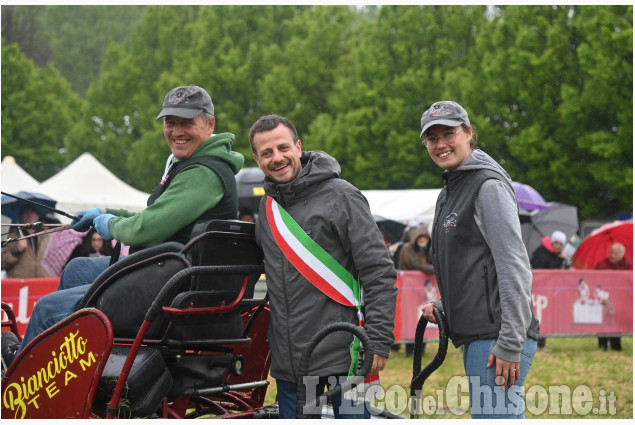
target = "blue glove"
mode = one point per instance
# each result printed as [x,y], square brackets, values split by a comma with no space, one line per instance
[102,227]
[86,219]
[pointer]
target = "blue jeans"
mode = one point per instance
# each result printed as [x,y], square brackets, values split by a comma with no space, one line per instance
[287,399]
[487,400]
[52,308]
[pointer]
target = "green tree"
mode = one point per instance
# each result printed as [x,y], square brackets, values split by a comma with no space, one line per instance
[80,34]
[225,49]
[74,37]
[124,102]
[596,115]
[548,87]
[395,69]
[39,110]
[301,78]
[20,24]
[233,56]
[535,95]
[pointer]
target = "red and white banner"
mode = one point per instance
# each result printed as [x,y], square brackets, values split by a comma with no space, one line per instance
[22,294]
[583,302]
[567,302]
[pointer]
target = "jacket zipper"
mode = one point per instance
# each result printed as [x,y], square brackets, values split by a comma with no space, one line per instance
[487,295]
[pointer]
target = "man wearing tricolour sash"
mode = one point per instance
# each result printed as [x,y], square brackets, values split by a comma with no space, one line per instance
[324,257]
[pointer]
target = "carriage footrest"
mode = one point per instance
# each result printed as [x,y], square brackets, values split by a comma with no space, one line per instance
[148,383]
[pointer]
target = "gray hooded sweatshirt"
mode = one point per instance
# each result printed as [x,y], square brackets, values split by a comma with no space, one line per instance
[481,263]
[336,215]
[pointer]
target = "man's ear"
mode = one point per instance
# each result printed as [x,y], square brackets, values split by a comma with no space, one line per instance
[212,123]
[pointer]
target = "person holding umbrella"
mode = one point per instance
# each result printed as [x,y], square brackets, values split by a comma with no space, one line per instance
[614,261]
[23,258]
[481,264]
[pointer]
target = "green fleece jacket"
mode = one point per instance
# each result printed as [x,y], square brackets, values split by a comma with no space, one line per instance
[193,191]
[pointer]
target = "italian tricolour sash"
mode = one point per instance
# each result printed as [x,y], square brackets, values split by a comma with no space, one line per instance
[318,267]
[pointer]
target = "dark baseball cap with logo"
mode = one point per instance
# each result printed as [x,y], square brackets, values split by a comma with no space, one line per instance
[187,102]
[445,112]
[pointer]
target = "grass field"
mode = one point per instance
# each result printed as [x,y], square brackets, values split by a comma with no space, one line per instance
[574,379]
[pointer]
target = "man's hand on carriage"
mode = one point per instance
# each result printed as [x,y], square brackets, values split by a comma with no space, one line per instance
[102,225]
[86,218]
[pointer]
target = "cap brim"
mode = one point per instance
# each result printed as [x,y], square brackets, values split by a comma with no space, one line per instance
[449,123]
[180,112]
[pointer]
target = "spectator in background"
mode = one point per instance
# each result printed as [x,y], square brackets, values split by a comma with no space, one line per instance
[415,255]
[246,214]
[92,246]
[23,259]
[549,254]
[615,261]
[395,248]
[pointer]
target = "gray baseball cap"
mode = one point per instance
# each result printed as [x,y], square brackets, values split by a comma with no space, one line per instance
[445,112]
[187,102]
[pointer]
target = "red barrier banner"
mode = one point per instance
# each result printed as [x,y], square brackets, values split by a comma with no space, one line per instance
[416,289]
[22,294]
[567,302]
[583,302]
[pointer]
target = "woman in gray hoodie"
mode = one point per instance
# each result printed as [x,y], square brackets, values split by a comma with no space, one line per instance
[481,265]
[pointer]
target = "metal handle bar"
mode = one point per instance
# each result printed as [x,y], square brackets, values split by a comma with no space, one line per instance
[175,280]
[367,365]
[419,376]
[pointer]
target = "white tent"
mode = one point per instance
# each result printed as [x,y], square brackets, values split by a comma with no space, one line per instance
[86,183]
[14,178]
[407,206]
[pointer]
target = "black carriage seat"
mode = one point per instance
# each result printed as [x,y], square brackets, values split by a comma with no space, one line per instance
[214,243]
[224,242]
[127,289]
[218,243]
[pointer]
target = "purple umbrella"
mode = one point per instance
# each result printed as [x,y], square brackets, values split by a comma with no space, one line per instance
[528,198]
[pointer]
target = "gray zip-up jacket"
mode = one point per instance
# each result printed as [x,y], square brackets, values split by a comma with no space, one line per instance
[486,284]
[336,215]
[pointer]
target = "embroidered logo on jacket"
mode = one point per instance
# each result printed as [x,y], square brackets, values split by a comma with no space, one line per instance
[449,222]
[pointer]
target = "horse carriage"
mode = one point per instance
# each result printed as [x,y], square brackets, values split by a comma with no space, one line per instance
[173,331]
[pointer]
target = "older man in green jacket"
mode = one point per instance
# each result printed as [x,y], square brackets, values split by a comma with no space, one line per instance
[198,184]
